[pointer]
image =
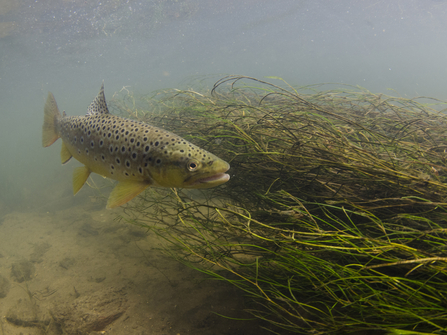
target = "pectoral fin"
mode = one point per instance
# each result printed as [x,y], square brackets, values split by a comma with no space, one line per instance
[125,191]
[65,154]
[80,176]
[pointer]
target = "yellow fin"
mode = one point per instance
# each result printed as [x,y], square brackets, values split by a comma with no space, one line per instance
[125,191]
[50,119]
[80,176]
[65,154]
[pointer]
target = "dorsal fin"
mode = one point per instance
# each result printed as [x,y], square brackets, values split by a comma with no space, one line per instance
[98,106]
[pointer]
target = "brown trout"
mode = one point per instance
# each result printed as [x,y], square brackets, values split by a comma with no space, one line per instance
[134,153]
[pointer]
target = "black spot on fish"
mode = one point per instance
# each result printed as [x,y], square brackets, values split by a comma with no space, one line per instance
[103,157]
[111,149]
[92,144]
[101,143]
[134,155]
[127,163]
[140,170]
[81,140]
[146,148]
[138,143]
[123,149]
[117,137]
[156,143]
[158,161]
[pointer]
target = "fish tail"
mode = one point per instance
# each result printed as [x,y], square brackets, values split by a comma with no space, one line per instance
[50,121]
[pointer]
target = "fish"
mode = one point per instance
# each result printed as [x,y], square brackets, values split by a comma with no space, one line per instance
[134,153]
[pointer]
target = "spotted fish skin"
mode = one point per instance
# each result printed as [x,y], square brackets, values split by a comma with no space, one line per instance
[134,153]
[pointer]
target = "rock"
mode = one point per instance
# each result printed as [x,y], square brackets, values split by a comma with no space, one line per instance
[86,230]
[4,286]
[67,262]
[38,251]
[91,313]
[27,314]
[22,271]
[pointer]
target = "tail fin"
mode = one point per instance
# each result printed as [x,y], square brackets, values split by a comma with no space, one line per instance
[51,117]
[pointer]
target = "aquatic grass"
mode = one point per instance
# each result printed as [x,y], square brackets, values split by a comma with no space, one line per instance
[310,278]
[334,220]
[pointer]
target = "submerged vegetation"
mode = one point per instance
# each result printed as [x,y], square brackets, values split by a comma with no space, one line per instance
[334,220]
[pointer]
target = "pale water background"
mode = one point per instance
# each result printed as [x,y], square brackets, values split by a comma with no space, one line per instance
[69,47]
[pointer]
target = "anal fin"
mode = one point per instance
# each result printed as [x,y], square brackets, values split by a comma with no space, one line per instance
[80,176]
[125,191]
[65,154]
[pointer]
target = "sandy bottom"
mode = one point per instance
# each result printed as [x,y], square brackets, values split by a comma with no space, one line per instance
[76,270]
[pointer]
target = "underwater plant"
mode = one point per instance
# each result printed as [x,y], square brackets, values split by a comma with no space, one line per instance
[334,220]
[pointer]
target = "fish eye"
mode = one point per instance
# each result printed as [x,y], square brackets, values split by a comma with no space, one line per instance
[192,166]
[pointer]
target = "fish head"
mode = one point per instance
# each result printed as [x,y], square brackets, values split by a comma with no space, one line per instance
[182,169]
[206,175]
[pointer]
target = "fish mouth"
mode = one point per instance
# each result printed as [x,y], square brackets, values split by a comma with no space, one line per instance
[218,178]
